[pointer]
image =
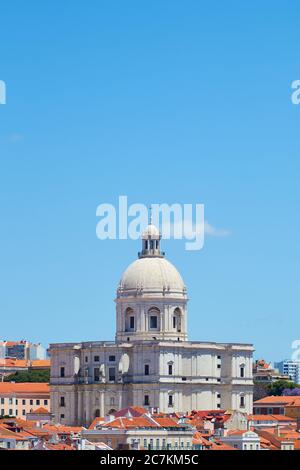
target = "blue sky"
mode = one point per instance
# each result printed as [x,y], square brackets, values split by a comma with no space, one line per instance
[162,101]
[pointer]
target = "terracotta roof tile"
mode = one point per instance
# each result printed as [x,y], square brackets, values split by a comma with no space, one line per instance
[27,387]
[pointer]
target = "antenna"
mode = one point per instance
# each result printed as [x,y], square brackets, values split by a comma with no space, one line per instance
[150,214]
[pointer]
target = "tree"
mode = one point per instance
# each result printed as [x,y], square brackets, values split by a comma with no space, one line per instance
[279,386]
[42,376]
[291,392]
[260,391]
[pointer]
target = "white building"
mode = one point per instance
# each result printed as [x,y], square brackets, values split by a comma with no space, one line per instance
[22,350]
[151,363]
[290,368]
[242,440]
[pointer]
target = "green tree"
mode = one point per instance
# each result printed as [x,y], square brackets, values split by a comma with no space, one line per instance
[42,376]
[277,387]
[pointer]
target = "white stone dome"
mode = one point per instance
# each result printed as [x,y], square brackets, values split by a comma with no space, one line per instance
[153,275]
[151,231]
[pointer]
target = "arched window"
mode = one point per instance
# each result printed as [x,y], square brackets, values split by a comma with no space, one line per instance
[242,371]
[177,320]
[154,319]
[130,320]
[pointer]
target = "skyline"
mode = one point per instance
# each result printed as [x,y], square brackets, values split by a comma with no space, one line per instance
[163,103]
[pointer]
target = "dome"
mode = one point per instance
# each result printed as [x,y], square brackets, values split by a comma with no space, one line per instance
[153,275]
[151,231]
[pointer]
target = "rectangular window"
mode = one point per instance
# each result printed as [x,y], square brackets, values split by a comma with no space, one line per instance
[170,369]
[146,369]
[62,372]
[10,412]
[96,374]
[46,402]
[219,366]
[2,412]
[31,402]
[23,412]
[170,400]
[242,402]
[153,322]
[2,401]
[38,402]
[16,402]
[10,401]
[174,322]
[86,359]
[112,359]
[112,374]
[23,402]
[62,402]
[146,400]
[16,412]
[242,372]
[132,323]
[96,358]
[62,416]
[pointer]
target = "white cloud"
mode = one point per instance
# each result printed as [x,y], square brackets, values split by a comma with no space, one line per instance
[187,228]
[215,232]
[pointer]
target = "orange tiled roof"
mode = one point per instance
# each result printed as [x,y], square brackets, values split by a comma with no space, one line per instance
[39,363]
[135,411]
[198,438]
[26,387]
[167,422]
[7,433]
[22,363]
[275,400]
[58,447]
[60,429]
[271,418]
[96,422]
[236,432]
[14,343]
[129,423]
[218,445]
[40,411]
[9,362]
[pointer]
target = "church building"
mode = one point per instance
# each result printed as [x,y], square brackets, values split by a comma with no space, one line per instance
[152,363]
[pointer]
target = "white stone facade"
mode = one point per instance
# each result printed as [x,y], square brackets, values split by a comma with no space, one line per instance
[151,363]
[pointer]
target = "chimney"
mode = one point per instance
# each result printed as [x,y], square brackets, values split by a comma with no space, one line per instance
[278,431]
